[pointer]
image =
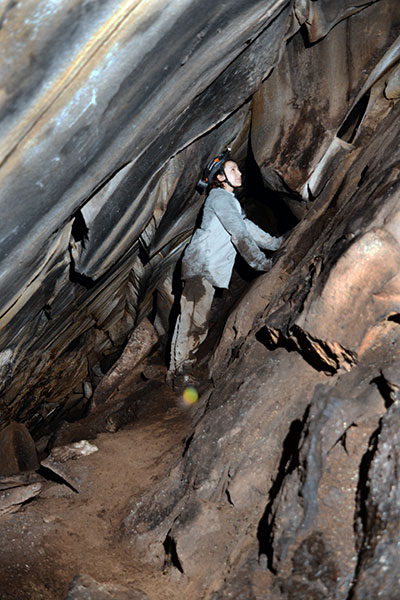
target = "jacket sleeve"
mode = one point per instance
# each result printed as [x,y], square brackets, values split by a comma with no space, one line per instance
[234,224]
[261,237]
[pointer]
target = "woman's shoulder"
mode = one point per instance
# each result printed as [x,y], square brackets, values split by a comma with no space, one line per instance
[219,194]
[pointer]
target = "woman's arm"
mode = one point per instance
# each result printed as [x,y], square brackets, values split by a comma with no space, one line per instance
[232,220]
[261,237]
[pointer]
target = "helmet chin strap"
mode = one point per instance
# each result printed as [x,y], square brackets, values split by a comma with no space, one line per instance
[226,180]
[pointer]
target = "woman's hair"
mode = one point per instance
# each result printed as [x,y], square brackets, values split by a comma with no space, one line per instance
[216,182]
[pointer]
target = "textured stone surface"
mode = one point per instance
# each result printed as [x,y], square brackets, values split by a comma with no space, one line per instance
[378,566]
[85,587]
[17,450]
[139,345]
[330,302]
[15,490]
[103,140]
[300,135]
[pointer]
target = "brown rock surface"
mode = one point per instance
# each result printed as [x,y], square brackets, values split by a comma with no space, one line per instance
[17,450]
[280,482]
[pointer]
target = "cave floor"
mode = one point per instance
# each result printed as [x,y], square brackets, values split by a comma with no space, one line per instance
[61,533]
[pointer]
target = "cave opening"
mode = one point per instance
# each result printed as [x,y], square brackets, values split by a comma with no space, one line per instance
[268,208]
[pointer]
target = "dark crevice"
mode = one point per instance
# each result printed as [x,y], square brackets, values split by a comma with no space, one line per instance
[229,497]
[394,318]
[171,553]
[303,347]
[79,229]
[235,351]
[363,176]
[263,336]
[154,307]
[384,390]
[343,439]
[47,311]
[362,516]
[304,34]
[288,463]
[74,345]
[349,129]
[313,271]
[79,278]
[187,444]
[108,361]
[262,204]
[143,252]
[79,232]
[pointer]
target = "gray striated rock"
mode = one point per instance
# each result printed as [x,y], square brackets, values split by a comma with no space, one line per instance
[107,111]
[85,587]
[377,574]
[15,490]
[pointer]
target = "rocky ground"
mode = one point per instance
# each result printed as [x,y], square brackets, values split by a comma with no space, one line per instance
[61,533]
[270,486]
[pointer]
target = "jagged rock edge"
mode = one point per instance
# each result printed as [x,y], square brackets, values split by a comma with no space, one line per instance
[323,355]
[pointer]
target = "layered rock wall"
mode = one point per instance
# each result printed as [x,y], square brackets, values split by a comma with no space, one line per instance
[109,114]
[98,164]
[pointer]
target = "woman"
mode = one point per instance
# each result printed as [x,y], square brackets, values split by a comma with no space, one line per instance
[209,258]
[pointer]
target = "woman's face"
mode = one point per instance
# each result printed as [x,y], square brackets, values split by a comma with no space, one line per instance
[232,173]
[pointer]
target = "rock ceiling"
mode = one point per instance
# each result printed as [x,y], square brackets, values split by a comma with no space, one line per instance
[108,112]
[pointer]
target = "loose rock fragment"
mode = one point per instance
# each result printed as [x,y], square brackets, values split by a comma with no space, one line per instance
[17,450]
[12,498]
[73,451]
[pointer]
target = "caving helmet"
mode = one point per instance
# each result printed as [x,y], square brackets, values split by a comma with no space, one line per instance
[212,168]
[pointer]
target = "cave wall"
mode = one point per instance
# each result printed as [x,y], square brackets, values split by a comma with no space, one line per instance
[98,142]
[108,113]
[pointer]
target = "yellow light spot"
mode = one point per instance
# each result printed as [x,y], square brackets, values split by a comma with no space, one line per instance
[190,395]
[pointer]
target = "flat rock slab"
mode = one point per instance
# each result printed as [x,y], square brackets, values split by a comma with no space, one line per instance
[17,489]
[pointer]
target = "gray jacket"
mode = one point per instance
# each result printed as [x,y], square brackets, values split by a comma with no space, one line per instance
[224,231]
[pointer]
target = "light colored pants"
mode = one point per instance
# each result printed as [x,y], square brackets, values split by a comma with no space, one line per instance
[192,324]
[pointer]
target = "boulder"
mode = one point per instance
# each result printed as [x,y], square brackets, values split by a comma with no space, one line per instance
[17,450]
